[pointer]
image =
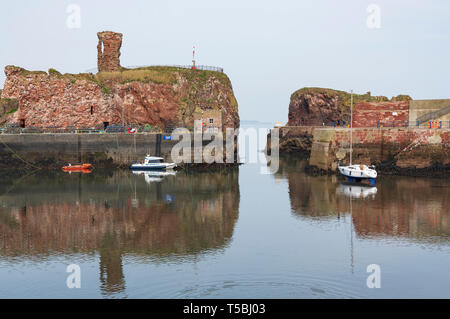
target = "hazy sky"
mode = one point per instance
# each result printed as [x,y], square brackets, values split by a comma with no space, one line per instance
[268,48]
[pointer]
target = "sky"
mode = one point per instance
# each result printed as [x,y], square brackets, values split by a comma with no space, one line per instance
[268,49]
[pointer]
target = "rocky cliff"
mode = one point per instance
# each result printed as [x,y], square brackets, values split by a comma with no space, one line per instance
[159,96]
[318,106]
[155,95]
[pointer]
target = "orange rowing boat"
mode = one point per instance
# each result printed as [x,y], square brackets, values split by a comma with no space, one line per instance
[77,167]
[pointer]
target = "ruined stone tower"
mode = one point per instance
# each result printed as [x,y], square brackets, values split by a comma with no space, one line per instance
[108,48]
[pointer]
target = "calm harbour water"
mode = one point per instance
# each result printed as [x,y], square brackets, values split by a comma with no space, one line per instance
[230,234]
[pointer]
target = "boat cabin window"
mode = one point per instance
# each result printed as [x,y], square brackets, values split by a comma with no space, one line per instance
[152,161]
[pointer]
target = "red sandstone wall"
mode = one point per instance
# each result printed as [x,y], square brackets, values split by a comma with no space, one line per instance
[396,136]
[367,114]
[411,148]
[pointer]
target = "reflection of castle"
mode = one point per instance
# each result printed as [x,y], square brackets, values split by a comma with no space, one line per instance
[405,207]
[90,214]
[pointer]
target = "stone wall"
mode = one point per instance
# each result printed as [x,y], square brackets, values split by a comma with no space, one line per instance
[19,151]
[392,150]
[403,151]
[421,107]
[368,114]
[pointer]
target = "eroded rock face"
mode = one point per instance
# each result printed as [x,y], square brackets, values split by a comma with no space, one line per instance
[108,51]
[155,95]
[55,100]
[320,106]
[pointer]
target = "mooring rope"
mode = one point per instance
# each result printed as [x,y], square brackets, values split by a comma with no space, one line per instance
[17,155]
[16,182]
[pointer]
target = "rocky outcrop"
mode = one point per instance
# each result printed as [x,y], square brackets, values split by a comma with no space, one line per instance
[158,96]
[108,51]
[320,106]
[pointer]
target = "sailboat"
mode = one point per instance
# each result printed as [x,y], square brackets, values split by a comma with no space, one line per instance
[356,172]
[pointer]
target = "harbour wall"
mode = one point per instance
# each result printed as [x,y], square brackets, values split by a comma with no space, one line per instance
[101,150]
[402,151]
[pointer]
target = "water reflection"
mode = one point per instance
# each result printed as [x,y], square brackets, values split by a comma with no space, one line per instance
[154,176]
[402,207]
[116,214]
[357,191]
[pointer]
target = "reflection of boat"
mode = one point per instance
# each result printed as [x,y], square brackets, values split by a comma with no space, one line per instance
[152,163]
[356,191]
[154,176]
[84,171]
[84,168]
[356,172]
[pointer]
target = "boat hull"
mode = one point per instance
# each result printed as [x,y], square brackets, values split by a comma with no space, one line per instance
[77,167]
[355,174]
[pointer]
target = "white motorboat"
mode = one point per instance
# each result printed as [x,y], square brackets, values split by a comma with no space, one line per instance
[356,172]
[152,163]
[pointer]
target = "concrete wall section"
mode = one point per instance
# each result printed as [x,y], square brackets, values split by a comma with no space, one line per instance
[102,150]
[392,149]
[421,107]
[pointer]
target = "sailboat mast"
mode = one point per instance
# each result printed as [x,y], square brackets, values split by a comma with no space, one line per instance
[351,125]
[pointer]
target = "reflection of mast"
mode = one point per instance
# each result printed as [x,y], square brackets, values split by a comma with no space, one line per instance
[351,235]
[135,201]
[158,192]
[79,188]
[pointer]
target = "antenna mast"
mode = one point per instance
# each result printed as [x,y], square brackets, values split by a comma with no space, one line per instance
[351,125]
[193,58]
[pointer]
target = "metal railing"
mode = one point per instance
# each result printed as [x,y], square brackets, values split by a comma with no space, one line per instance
[415,124]
[433,115]
[197,67]
[85,130]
